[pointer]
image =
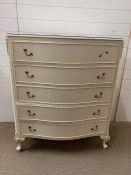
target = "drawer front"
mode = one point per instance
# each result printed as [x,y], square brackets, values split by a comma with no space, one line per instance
[64,53]
[56,75]
[57,113]
[63,131]
[63,95]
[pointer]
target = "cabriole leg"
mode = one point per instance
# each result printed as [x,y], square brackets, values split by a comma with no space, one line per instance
[18,147]
[105,140]
[19,143]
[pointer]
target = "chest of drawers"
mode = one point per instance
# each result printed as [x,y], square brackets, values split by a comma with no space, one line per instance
[63,87]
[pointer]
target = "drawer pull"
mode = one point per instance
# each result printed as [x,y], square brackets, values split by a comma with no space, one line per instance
[30,54]
[106,52]
[100,55]
[29,95]
[31,129]
[96,113]
[98,96]
[95,128]
[29,113]
[29,76]
[102,76]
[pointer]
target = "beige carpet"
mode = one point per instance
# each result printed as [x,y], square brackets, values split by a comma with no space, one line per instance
[80,157]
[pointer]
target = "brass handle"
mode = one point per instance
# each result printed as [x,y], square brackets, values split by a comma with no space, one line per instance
[29,76]
[102,76]
[97,113]
[29,95]
[100,55]
[95,128]
[27,54]
[29,113]
[31,129]
[98,96]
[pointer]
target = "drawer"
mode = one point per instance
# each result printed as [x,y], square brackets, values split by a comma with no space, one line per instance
[62,131]
[64,75]
[64,53]
[63,95]
[65,113]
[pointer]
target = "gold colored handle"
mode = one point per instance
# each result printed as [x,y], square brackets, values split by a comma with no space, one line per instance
[95,128]
[102,76]
[98,96]
[31,129]
[100,55]
[29,95]
[29,76]
[29,113]
[27,54]
[97,113]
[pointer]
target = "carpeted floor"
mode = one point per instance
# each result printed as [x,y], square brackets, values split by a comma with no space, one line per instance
[79,157]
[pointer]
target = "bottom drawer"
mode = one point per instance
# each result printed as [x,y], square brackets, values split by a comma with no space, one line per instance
[62,131]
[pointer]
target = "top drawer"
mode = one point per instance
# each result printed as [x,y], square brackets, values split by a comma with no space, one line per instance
[64,53]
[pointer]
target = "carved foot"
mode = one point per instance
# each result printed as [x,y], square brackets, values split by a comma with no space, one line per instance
[19,141]
[18,148]
[104,144]
[105,140]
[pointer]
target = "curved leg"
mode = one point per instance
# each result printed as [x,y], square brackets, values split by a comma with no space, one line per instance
[18,147]
[19,141]
[105,144]
[105,140]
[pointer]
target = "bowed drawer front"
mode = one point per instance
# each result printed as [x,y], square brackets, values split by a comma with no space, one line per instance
[63,130]
[63,95]
[78,53]
[63,113]
[64,75]
[63,87]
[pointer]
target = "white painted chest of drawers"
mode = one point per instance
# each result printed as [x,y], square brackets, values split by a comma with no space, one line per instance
[63,86]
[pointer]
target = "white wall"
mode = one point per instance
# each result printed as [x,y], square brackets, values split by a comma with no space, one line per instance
[70,17]
[124,105]
[8,23]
